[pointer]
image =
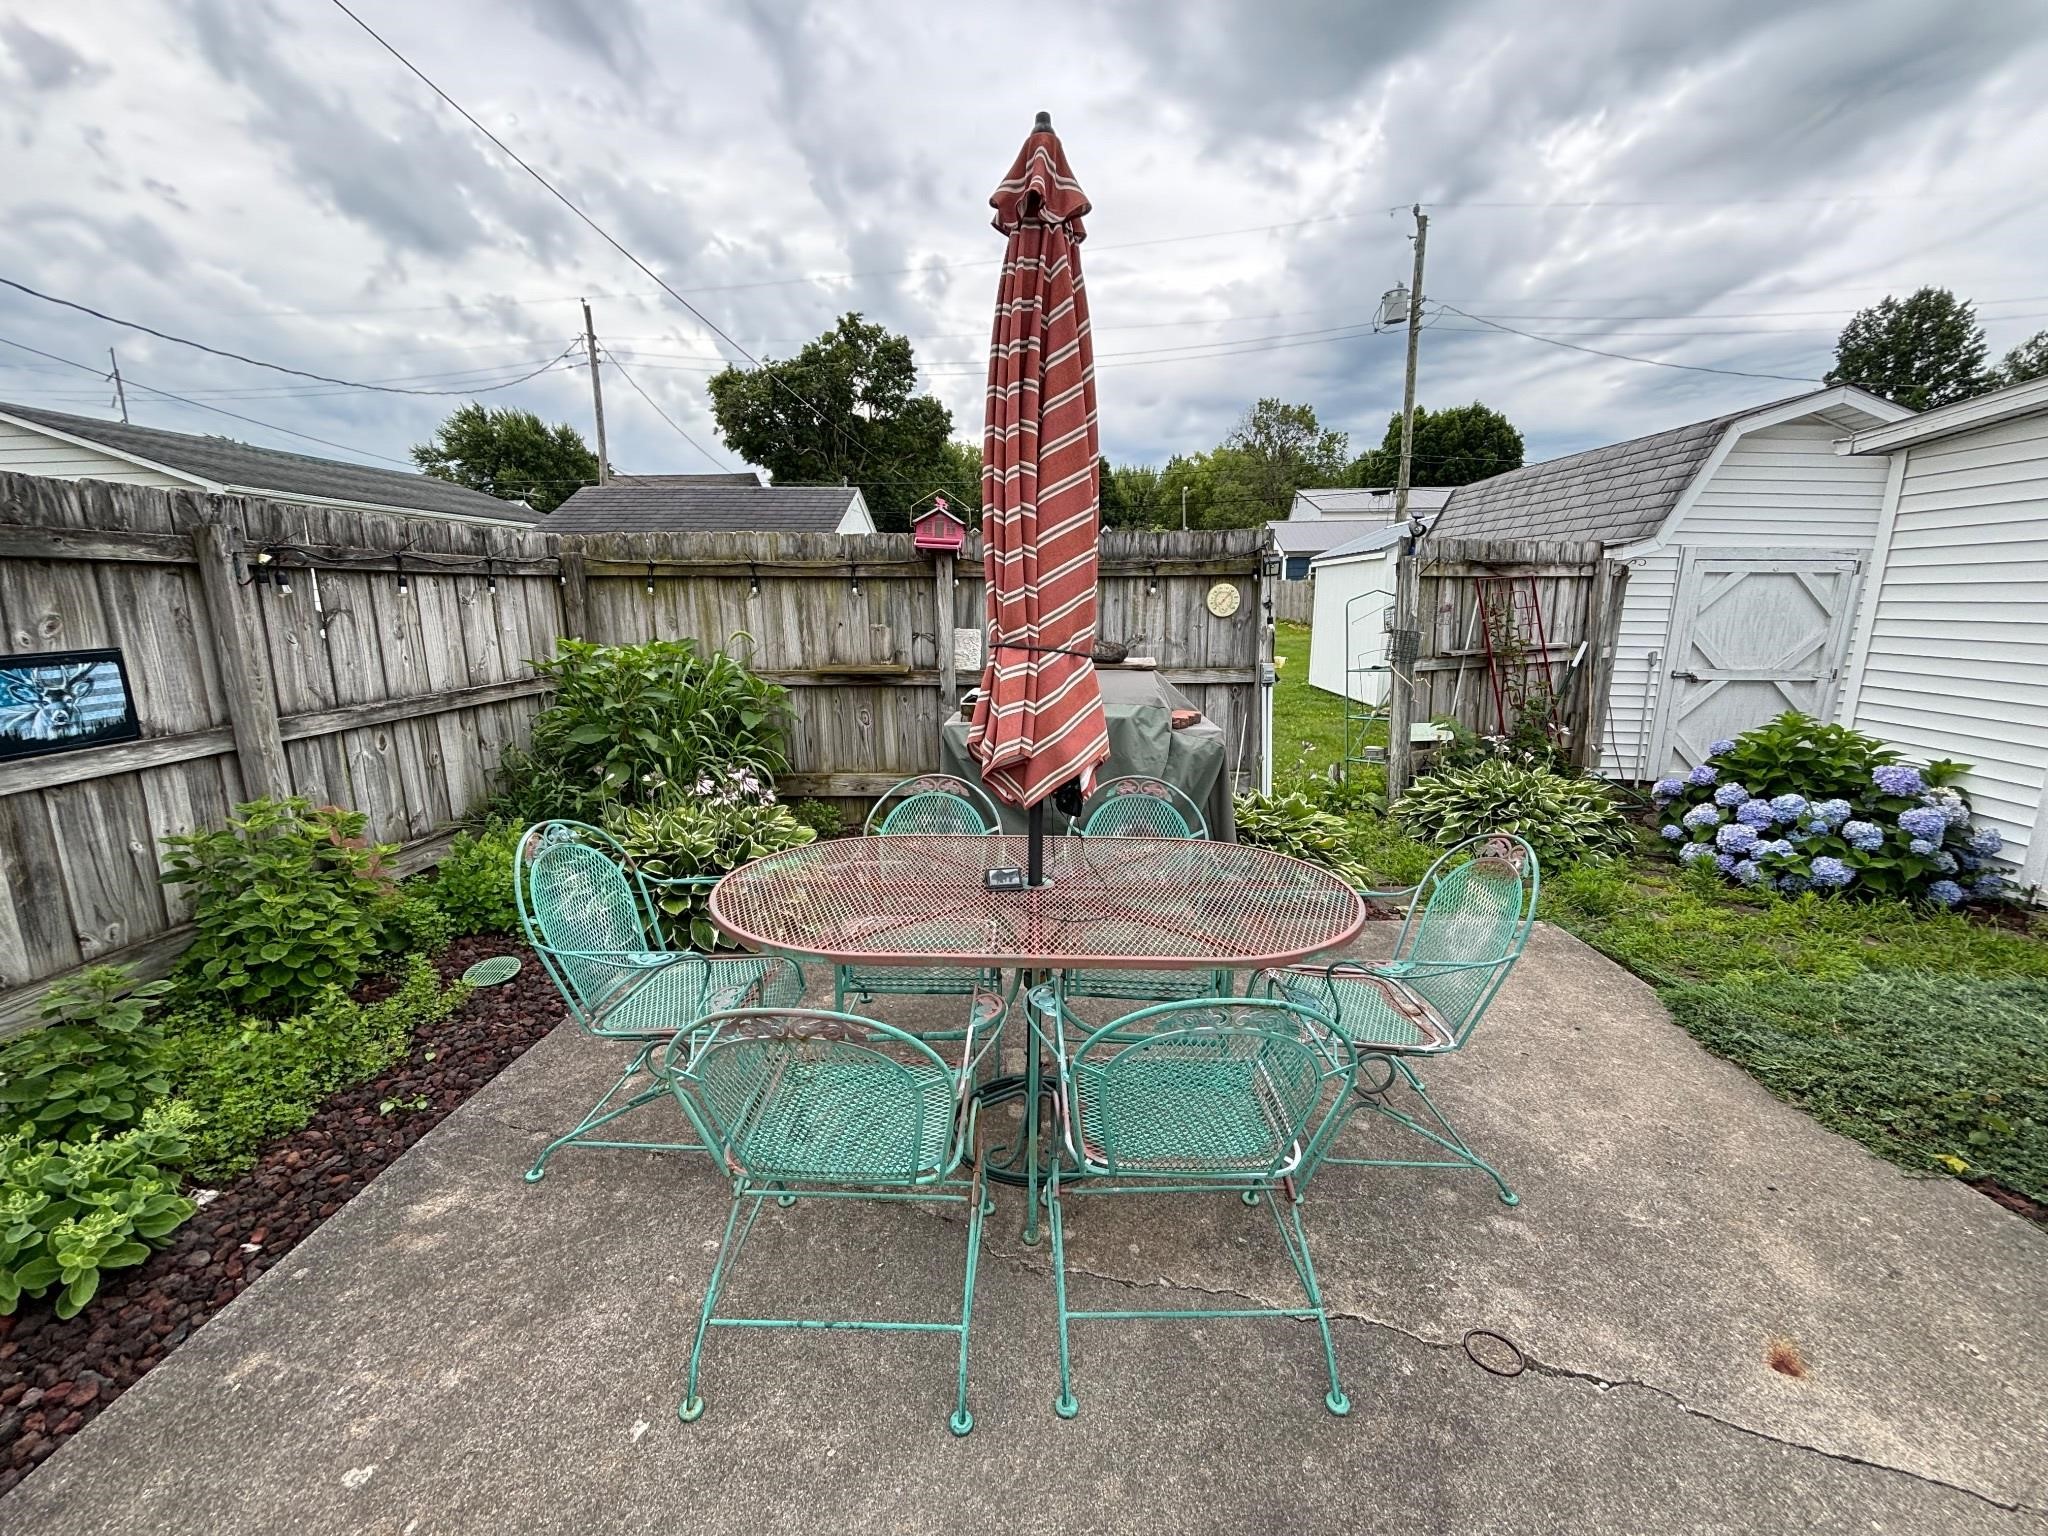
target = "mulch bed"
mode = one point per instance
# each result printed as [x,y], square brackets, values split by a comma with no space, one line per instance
[56,1376]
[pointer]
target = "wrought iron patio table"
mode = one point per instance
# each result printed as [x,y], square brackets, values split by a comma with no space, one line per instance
[1109,903]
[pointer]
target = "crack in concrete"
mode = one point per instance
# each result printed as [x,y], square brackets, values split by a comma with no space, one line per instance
[1556,1372]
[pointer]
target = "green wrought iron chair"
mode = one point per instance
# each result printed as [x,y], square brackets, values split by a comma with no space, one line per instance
[1466,926]
[803,1104]
[588,917]
[1205,1095]
[933,804]
[1138,806]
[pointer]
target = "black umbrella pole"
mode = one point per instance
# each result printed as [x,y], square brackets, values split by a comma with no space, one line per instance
[1034,846]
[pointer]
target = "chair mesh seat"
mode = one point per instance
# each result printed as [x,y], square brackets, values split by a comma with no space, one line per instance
[913,980]
[1374,1014]
[1202,1111]
[1143,986]
[677,994]
[847,1114]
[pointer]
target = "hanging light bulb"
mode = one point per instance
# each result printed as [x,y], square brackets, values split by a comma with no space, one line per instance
[403,586]
[490,576]
[753,582]
[650,578]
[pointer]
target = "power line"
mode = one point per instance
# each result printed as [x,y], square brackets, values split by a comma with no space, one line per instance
[257,362]
[268,426]
[664,415]
[1555,341]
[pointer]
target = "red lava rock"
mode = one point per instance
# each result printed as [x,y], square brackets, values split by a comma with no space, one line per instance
[56,1376]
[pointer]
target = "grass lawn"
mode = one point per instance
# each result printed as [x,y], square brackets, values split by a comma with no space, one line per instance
[1924,1036]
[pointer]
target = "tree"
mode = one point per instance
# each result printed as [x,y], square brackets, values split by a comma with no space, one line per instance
[509,454]
[1922,351]
[1133,490]
[2028,360]
[1274,450]
[959,477]
[1454,446]
[1109,497]
[841,409]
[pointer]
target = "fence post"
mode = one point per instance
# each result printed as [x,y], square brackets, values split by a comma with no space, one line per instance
[1403,649]
[575,592]
[942,624]
[244,667]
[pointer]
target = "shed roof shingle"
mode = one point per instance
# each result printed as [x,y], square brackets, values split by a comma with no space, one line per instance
[224,461]
[663,505]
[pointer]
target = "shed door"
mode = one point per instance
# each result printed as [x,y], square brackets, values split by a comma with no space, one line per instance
[1753,634]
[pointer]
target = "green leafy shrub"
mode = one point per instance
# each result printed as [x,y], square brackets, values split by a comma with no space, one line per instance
[682,839]
[530,790]
[93,1065]
[1796,805]
[1294,825]
[637,721]
[71,1210]
[415,924]
[287,900]
[1561,818]
[473,885]
[1528,742]
[252,1080]
[821,816]
[1933,1071]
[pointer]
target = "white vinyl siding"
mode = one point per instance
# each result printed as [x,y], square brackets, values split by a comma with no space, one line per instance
[1781,488]
[1956,663]
[1369,578]
[26,452]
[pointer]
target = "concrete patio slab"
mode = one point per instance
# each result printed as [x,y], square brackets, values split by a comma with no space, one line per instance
[458,1351]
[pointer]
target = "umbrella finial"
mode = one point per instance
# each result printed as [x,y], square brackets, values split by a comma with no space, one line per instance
[1044,123]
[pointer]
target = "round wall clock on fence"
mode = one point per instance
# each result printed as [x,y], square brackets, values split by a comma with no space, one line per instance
[1224,599]
[58,701]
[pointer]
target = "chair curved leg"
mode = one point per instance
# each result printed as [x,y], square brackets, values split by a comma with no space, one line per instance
[1065,1405]
[1296,1242]
[963,1421]
[601,1115]
[692,1406]
[1444,1134]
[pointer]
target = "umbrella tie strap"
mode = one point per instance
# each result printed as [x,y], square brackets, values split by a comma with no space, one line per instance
[1042,650]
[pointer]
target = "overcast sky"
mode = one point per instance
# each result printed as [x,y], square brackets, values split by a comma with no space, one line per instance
[1716,184]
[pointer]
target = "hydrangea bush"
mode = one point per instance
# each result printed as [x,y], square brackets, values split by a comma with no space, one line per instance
[1796,805]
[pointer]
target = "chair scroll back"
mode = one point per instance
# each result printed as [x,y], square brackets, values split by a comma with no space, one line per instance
[800,1094]
[576,898]
[1473,912]
[936,803]
[1136,806]
[1237,1088]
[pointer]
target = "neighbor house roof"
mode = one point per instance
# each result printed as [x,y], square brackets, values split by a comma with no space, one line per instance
[1623,492]
[224,465]
[686,504]
[1311,536]
[744,477]
[1352,501]
[1383,537]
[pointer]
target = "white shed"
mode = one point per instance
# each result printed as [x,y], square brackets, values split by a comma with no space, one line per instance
[1950,657]
[1746,538]
[1354,583]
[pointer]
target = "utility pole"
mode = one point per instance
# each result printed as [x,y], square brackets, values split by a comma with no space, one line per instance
[604,463]
[1183,509]
[120,393]
[1404,623]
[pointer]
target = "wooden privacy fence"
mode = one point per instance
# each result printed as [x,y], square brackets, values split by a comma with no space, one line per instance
[860,630]
[394,672]
[1478,626]
[1294,602]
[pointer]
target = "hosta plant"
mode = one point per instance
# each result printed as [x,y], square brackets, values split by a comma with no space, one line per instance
[1294,825]
[1562,818]
[70,1211]
[686,839]
[1797,806]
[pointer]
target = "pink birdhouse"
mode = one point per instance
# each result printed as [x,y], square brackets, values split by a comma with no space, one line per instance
[938,526]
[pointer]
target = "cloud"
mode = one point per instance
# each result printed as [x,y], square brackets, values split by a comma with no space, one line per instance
[609,31]
[45,62]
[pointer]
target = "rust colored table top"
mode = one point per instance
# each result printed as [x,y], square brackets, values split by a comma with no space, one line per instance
[1123,903]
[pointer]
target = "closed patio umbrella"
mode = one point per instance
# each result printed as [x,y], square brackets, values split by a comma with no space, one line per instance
[1038,723]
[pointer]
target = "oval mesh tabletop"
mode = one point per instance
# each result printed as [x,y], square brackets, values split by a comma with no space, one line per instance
[1109,903]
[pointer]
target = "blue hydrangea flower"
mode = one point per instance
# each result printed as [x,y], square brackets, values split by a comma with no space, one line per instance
[1898,779]
[1832,813]
[1746,871]
[1951,803]
[1755,813]
[1988,886]
[1967,861]
[1730,794]
[1780,846]
[1986,841]
[1792,885]
[1921,846]
[1724,862]
[1702,776]
[1668,789]
[1788,808]
[1671,832]
[1716,748]
[1945,862]
[1927,822]
[1831,872]
[1863,835]
[1692,853]
[1702,815]
[1946,892]
[1735,838]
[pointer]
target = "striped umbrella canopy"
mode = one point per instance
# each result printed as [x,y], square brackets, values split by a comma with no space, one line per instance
[1038,722]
